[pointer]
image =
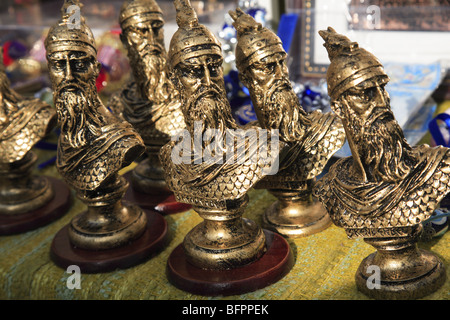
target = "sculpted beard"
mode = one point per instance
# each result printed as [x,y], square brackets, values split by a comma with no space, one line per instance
[382,145]
[71,109]
[210,107]
[151,74]
[281,109]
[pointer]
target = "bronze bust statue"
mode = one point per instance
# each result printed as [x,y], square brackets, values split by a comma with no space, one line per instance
[23,123]
[213,174]
[386,188]
[312,138]
[149,102]
[94,144]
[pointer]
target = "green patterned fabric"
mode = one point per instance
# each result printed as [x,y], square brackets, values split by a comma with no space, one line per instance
[325,264]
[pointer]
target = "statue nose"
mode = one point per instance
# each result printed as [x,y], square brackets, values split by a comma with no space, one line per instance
[206,79]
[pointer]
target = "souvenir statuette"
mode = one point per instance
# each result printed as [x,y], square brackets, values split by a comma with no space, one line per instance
[93,146]
[149,101]
[312,138]
[27,200]
[387,188]
[226,253]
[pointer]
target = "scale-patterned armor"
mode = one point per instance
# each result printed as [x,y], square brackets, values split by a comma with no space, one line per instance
[415,206]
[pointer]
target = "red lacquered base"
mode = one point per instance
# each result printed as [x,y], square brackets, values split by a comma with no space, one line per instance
[64,254]
[53,210]
[163,201]
[276,262]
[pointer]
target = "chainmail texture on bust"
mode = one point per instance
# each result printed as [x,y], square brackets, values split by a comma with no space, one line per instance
[29,126]
[88,167]
[156,123]
[415,205]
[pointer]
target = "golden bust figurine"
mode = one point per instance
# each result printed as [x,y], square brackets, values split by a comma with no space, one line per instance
[312,138]
[27,200]
[149,101]
[94,144]
[215,163]
[386,188]
[23,123]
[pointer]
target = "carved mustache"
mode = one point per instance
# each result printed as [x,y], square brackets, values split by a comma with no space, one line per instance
[69,85]
[279,85]
[150,49]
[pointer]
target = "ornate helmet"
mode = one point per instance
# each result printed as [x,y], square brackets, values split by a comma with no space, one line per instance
[254,41]
[191,39]
[69,34]
[135,11]
[350,65]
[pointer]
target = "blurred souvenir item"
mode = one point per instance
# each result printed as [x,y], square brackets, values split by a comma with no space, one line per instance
[27,201]
[93,146]
[115,67]
[387,188]
[436,225]
[312,138]
[241,104]
[149,102]
[225,254]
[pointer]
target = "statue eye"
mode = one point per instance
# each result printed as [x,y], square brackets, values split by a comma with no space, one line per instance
[79,65]
[271,66]
[214,70]
[59,65]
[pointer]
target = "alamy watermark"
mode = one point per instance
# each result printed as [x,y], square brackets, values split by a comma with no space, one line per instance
[374,280]
[74,20]
[373,17]
[231,146]
[74,280]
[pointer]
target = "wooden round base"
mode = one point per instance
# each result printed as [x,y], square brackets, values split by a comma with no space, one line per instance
[162,202]
[53,210]
[64,254]
[276,262]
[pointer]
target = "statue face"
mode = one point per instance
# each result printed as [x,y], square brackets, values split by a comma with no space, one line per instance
[265,73]
[201,86]
[377,138]
[145,37]
[272,94]
[368,100]
[200,73]
[70,69]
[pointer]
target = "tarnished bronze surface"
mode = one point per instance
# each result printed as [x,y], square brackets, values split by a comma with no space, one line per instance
[149,101]
[23,123]
[386,188]
[216,187]
[312,138]
[94,144]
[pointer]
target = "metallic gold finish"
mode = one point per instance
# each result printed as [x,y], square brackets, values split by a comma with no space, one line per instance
[149,101]
[406,271]
[94,144]
[23,123]
[216,188]
[387,188]
[296,213]
[312,138]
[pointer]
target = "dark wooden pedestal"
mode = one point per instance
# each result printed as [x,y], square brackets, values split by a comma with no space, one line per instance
[53,210]
[276,262]
[64,254]
[162,202]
